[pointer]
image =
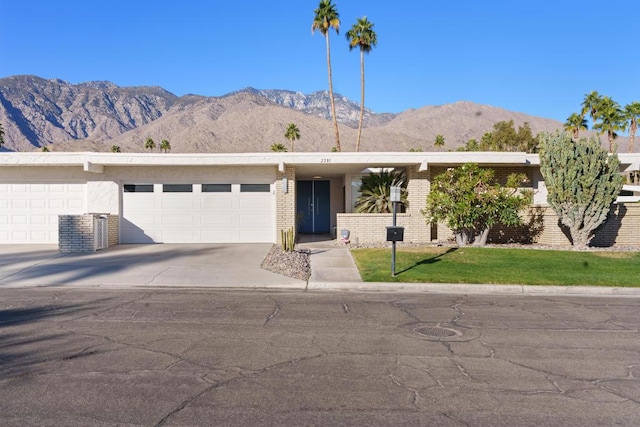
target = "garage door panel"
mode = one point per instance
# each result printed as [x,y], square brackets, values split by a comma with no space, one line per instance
[219,235]
[177,205]
[200,217]
[216,204]
[29,211]
[258,235]
[178,221]
[253,220]
[255,203]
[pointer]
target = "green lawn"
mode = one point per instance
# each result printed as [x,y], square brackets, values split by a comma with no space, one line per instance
[500,266]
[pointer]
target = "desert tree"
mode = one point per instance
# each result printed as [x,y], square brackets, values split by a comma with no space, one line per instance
[439,142]
[278,147]
[582,182]
[610,120]
[292,134]
[115,149]
[574,124]
[632,113]
[470,200]
[45,149]
[362,36]
[165,145]
[149,144]
[375,191]
[505,137]
[326,17]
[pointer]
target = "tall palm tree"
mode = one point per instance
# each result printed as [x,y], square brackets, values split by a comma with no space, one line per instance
[574,124]
[149,144]
[362,35]
[632,111]
[611,120]
[327,17]
[591,105]
[292,134]
[165,145]
[439,142]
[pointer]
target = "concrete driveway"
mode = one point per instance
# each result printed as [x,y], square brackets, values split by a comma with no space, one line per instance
[193,265]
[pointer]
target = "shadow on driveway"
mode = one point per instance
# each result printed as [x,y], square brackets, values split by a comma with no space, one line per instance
[138,265]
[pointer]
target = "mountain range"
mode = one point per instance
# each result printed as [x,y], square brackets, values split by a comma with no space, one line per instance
[95,116]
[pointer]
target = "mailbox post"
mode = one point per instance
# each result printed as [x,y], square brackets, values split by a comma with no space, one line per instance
[394,233]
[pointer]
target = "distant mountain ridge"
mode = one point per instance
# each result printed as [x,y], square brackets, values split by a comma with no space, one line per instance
[93,116]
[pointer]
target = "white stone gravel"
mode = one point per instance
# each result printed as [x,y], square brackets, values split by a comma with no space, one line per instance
[294,264]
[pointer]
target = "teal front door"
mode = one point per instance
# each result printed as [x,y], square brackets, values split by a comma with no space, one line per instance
[312,201]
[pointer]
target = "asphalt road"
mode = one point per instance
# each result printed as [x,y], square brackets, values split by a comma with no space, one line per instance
[217,357]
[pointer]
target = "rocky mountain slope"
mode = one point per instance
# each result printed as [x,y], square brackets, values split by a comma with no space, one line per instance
[94,116]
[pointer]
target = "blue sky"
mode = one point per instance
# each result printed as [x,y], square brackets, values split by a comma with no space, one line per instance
[537,57]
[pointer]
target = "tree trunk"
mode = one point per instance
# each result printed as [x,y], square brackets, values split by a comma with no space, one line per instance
[481,239]
[632,133]
[333,104]
[610,138]
[362,98]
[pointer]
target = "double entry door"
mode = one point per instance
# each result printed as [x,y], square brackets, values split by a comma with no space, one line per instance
[313,205]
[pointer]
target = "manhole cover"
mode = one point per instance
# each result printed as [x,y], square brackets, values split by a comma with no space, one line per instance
[436,332]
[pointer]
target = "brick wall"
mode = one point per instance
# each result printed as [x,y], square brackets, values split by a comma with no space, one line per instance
[541,226]
[622,228]
[114,229]
[371,228]
[285,202]
[76,233]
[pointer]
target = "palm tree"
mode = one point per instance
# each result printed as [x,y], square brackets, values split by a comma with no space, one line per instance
[362,35]
[149,144]
[1,135]
[611,120]
[574,124]
[632,111]
[375,191]
[44,149]
[277,147]
[327,17]
[439,142]
[165,145]
[115,149]
[591,105]
[292,134]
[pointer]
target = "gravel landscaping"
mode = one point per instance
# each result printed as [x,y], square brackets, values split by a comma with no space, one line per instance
[294,264]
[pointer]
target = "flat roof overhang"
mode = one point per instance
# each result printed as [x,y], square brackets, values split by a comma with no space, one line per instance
[306,164]
[328,164]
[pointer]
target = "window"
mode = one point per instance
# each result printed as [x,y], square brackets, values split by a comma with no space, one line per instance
[177,188]
[216,188]
[138,188]
[255,188]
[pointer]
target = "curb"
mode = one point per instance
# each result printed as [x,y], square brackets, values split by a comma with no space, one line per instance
[457,288]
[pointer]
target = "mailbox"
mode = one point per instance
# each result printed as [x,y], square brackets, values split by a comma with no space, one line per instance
[395,234]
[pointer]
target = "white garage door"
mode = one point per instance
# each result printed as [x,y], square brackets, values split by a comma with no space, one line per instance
[197,213]
[29,211]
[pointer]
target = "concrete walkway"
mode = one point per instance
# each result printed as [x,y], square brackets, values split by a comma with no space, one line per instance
[330,263]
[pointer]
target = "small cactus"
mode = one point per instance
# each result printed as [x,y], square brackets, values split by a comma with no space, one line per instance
[288,240]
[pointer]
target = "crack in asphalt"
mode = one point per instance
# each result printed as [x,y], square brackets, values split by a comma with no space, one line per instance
[274,313]
[216,385]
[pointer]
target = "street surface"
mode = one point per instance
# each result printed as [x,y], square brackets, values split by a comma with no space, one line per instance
[176,357]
